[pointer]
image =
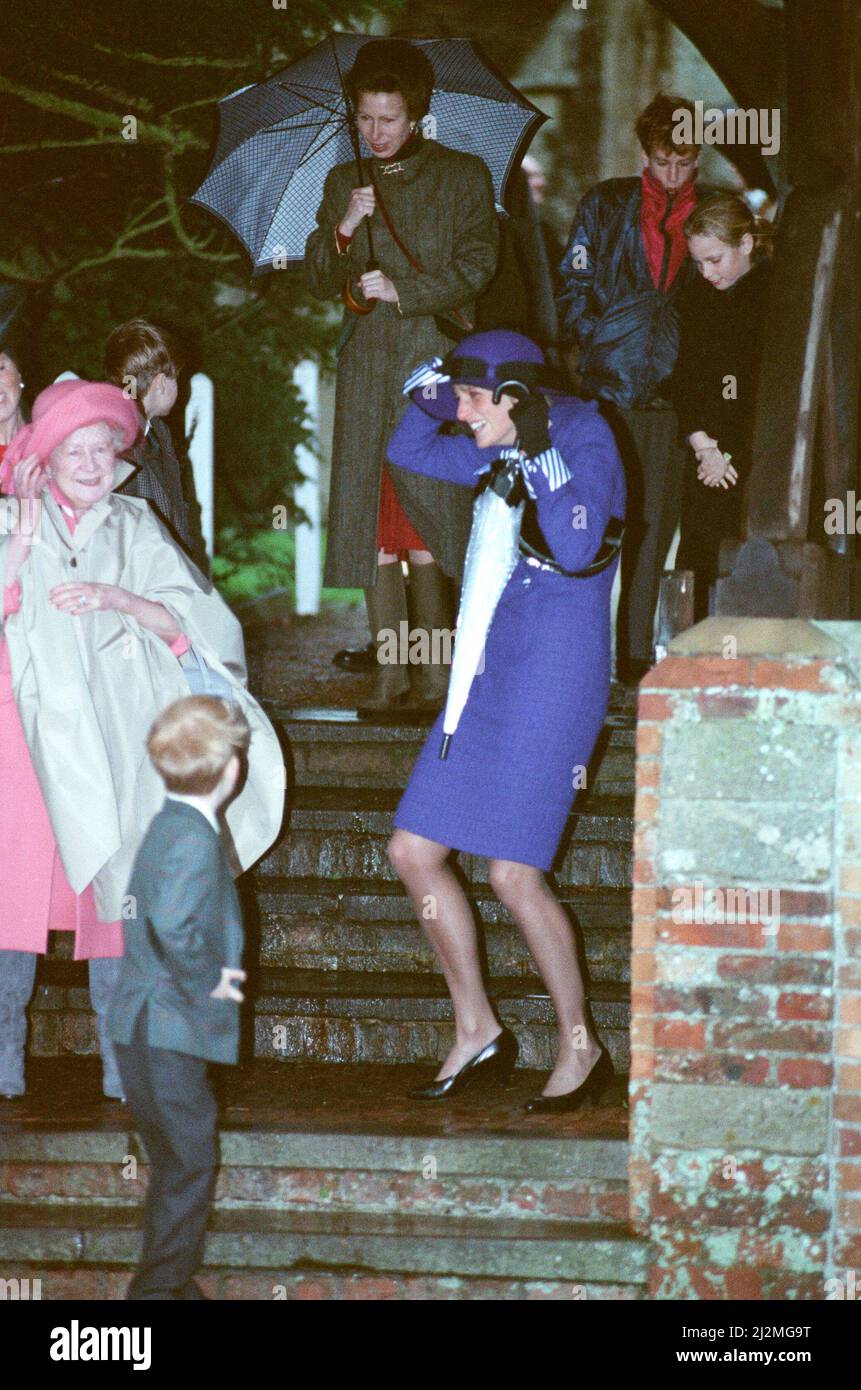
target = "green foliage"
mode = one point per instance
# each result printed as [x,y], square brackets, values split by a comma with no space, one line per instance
[249,564]
[98,229]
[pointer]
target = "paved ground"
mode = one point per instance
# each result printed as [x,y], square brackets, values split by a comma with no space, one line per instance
[290,663]
[65,1093]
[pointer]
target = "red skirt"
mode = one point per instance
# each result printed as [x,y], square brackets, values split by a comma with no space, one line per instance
[395,532]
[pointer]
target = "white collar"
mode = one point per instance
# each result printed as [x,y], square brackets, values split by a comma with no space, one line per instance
[200,804]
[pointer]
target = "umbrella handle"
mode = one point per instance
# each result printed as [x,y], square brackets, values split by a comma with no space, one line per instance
[352,303]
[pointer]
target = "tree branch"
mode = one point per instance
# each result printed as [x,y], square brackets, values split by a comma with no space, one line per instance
[133,227]
[56,145]
[102,120]
[228,64]
[122,99]
[11,271]
[191,105]
[194,248]
[118,253]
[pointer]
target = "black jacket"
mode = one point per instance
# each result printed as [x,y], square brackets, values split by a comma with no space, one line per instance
[168,486]
[713,387]
[187,924]
[627,330]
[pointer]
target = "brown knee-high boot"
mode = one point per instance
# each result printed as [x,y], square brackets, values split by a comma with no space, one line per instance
[432,613]
[387,610]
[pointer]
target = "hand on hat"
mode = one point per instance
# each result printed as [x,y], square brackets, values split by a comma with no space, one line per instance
[530,416]
[29,477]
[29,482]
[426,374]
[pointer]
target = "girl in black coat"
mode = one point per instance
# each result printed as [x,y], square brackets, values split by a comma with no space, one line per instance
[714,382]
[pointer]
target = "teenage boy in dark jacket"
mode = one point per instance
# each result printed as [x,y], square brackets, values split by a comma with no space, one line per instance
[624,268]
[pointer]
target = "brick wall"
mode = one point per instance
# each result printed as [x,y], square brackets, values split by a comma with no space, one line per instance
[746,981]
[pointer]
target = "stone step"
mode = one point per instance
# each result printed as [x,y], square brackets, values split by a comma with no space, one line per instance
[408,1018]
[333,1184]
[335,748]
[270,1239]
[345,1016]
[341,833]
[109,1283]
[580,1180]
[359,925]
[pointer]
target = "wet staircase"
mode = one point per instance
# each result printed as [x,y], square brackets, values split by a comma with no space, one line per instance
[332,1184]
[345,972]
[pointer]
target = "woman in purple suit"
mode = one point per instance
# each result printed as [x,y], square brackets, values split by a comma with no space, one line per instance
[532,717]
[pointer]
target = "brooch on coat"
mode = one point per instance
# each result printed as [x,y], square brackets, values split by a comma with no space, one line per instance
[392,168]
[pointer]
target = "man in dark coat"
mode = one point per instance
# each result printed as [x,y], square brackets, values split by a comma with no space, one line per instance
[176,1002]
[623,270]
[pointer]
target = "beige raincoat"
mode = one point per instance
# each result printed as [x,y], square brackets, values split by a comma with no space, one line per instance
[88,688]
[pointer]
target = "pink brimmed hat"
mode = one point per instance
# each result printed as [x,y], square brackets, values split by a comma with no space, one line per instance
[61,409]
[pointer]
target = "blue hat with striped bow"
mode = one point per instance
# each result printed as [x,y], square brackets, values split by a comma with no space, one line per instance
[491,360]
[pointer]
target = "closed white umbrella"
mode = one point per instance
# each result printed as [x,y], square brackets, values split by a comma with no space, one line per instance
[503,362]
[491,556]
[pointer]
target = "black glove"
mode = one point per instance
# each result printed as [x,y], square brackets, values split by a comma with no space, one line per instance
[505,479]
[530,417]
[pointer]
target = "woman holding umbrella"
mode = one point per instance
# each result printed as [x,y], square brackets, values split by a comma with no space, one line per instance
[530,722]
[434,237]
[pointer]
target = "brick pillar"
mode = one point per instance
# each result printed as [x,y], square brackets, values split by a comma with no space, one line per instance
[745,1166]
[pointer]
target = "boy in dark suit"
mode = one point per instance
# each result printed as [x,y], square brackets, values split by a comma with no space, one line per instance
[176,1005]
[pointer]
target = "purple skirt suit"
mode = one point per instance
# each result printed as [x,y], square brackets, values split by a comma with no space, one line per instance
[535,712]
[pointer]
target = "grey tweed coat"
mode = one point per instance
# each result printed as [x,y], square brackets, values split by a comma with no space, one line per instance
[441,203]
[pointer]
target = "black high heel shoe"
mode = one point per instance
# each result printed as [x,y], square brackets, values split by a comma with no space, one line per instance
[494,1062]
[596,1082]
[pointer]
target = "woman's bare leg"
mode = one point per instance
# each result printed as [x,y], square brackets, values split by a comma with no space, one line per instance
[524,891]
[442,908]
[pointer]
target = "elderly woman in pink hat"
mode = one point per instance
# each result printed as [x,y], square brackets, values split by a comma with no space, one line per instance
[102,613]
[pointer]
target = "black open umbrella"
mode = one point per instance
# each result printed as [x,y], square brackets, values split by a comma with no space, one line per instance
[279,139]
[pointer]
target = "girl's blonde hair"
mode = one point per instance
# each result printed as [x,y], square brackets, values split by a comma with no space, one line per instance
[728,217]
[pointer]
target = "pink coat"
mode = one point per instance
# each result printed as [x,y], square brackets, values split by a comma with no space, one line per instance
[36,897]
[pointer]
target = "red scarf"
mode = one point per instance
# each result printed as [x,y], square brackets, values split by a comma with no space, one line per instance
[653,210]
